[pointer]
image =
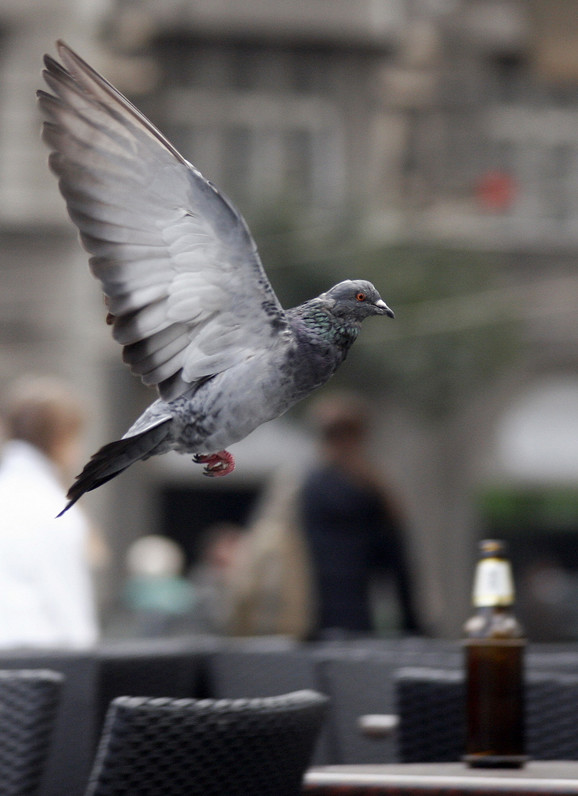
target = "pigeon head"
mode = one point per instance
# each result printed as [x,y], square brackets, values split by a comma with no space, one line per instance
[355,299]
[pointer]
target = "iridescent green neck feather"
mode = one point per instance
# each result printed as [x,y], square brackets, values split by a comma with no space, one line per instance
[338,331]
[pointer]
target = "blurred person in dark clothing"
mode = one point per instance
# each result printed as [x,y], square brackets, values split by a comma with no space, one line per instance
[351,525]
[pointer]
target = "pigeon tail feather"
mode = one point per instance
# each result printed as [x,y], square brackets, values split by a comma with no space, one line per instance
[112,459]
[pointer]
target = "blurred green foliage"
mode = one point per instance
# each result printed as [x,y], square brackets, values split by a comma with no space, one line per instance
[521,510]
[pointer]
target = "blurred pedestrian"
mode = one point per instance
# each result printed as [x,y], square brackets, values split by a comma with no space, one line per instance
[211,577]
[325,540]
[157,594]
[46,593]
[351,523]
[271,583]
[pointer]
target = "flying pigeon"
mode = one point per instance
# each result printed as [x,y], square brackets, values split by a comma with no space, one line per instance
[187,295]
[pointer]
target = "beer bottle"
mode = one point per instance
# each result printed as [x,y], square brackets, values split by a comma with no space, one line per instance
[494,662]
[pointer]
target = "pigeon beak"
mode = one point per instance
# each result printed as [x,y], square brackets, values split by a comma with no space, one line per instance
[384,309]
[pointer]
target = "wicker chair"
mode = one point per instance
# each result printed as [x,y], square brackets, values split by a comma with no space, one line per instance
[188,747]
[431,708]
[244,671]
[28,704]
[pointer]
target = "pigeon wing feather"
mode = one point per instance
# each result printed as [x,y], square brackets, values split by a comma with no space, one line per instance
[186,291]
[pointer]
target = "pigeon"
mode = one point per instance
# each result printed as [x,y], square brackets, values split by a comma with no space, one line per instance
[187,296]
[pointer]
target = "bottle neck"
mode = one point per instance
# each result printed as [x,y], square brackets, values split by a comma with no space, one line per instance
[493,584]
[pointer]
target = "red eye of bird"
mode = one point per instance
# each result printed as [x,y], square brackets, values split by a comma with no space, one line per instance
[360,296]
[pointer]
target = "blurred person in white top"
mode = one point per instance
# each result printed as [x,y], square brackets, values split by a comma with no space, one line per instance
[46,591]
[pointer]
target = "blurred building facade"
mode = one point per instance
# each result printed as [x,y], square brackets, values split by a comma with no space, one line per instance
[440,120]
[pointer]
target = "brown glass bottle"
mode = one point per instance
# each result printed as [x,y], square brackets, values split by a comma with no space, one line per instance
[494,661]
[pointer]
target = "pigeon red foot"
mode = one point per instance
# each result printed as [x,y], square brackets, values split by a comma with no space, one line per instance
[216,464]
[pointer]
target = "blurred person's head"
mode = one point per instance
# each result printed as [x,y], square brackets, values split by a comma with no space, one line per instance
[219,545]
[342,421]
[44,412]
[155,556]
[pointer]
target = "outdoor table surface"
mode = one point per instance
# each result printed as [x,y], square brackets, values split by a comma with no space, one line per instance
[536,777]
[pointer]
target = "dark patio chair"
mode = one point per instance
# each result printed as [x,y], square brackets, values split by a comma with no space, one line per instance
[147,667]
[362,683]
[188,747]
[431,708]
[250,670]
[28,705]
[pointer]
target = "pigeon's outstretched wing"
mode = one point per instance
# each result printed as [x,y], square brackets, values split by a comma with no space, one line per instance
[186,291]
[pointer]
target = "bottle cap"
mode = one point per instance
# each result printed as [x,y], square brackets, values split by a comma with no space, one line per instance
[493,547]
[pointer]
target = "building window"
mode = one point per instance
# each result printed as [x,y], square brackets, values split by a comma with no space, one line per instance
[250,122]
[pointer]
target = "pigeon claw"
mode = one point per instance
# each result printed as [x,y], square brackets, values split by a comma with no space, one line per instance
[216,464]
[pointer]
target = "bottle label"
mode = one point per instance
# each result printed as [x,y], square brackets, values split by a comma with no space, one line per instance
[493,583]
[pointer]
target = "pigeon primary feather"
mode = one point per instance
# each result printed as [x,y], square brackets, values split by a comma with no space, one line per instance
[187,296]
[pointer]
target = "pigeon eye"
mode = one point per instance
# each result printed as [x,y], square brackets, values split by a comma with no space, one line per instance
[360,296]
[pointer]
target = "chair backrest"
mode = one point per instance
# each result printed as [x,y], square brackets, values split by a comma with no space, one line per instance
[362,682]
[431,708]
[161,667]
[551,711]
[244,671]
[188,747]
[28,705]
